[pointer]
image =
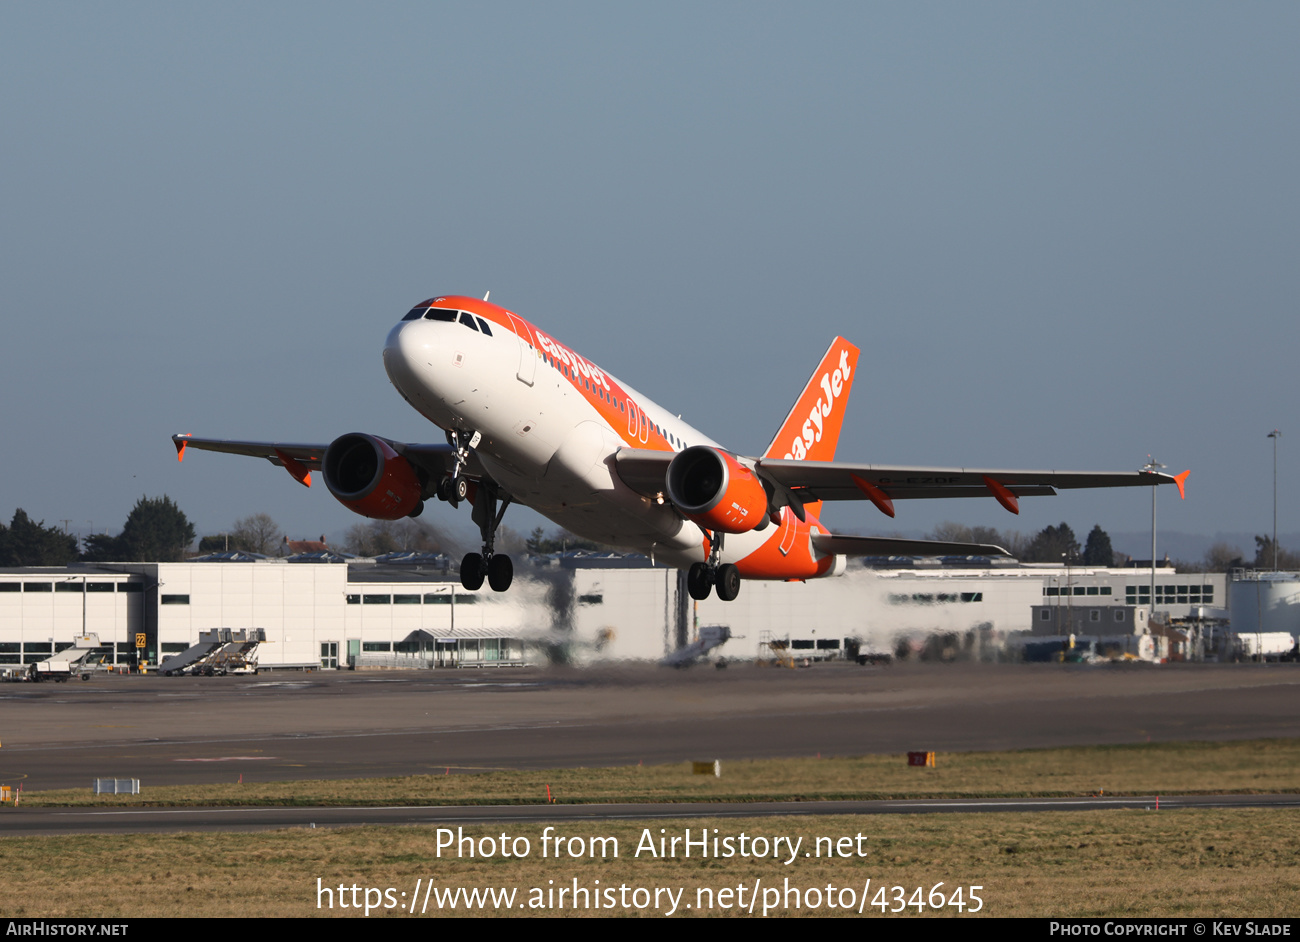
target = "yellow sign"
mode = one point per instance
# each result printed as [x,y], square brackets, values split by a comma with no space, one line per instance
[139,640]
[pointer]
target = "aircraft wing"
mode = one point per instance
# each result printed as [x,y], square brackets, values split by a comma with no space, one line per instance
[308,455]
[834,480]
[437,460]
[888,546]
[883,484]
[643,470]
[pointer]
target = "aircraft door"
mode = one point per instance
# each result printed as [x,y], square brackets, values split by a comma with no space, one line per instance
[527,351]
[638,426]
[790,529]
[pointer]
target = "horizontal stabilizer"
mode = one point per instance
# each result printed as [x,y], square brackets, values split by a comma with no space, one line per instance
[888,546]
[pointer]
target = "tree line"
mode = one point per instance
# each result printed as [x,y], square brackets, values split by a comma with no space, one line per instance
[1059,544]
[1048,545]
[157,530]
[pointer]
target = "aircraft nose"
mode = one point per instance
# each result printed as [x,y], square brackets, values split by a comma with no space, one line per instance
[403,351]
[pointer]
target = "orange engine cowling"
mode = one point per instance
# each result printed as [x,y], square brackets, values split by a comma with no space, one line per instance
[716,491]
[371,479]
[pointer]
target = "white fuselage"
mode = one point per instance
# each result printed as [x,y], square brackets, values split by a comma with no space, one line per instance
[551,423]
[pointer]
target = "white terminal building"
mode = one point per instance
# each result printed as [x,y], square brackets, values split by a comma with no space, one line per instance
[412,611]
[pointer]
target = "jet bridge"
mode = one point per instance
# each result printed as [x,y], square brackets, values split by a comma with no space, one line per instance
[219,651]
[82,658]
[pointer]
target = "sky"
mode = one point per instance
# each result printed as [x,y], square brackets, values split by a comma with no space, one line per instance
[1063,235]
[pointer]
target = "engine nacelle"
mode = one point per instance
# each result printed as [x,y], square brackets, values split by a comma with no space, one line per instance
[716,491]
[371,479]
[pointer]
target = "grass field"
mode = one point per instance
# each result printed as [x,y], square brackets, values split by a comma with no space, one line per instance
[1097,863]
[1122,863]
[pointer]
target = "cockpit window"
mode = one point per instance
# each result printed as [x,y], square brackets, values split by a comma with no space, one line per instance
[414,314]
[440,314]
[468,321]
[484,325]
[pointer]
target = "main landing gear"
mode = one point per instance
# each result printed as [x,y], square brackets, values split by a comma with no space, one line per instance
[496,567]
[703,577]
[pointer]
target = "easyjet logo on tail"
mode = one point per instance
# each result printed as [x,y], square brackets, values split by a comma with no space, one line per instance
[812,429]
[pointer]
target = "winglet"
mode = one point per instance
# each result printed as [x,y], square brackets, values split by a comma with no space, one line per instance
[180,443]
[1179,479]
[1004,496]
[295,468]
[875,495]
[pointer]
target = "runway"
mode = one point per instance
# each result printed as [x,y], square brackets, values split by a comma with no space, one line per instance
[46,821]
[179,730]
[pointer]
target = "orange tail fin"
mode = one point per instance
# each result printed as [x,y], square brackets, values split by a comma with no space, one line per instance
[812,429]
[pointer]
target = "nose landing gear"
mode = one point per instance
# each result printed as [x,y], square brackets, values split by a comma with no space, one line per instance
[454,488]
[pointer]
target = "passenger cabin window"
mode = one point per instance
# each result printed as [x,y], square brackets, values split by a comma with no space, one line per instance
[440,314]
[468,321]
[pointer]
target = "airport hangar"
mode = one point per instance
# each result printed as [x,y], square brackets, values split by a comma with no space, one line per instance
[409,610]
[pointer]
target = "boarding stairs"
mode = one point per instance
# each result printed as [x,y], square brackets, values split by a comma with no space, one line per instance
[218,651]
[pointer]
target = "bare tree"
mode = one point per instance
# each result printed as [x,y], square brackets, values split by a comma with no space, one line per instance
[949,532]
[378,537]
[256,534]
[1222,557]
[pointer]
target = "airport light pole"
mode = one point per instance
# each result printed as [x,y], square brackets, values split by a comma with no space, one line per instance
[1152,466]
[1069,601]
[1275,435]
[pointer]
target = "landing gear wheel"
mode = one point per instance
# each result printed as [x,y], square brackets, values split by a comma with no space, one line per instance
[501,572]
[471,572]
[699,581]
[453,490]
[728,582]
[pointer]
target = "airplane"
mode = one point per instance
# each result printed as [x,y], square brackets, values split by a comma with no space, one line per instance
[528,420]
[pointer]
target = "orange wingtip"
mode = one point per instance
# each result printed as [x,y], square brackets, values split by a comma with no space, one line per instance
[180,448]
[1179,479]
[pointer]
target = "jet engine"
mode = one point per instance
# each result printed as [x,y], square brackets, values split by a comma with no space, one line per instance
[713,489]
[371,479]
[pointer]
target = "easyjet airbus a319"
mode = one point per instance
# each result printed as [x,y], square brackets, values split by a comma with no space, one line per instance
[527,420]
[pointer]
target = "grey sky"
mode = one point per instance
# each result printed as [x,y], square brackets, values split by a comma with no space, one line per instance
[1064,235]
